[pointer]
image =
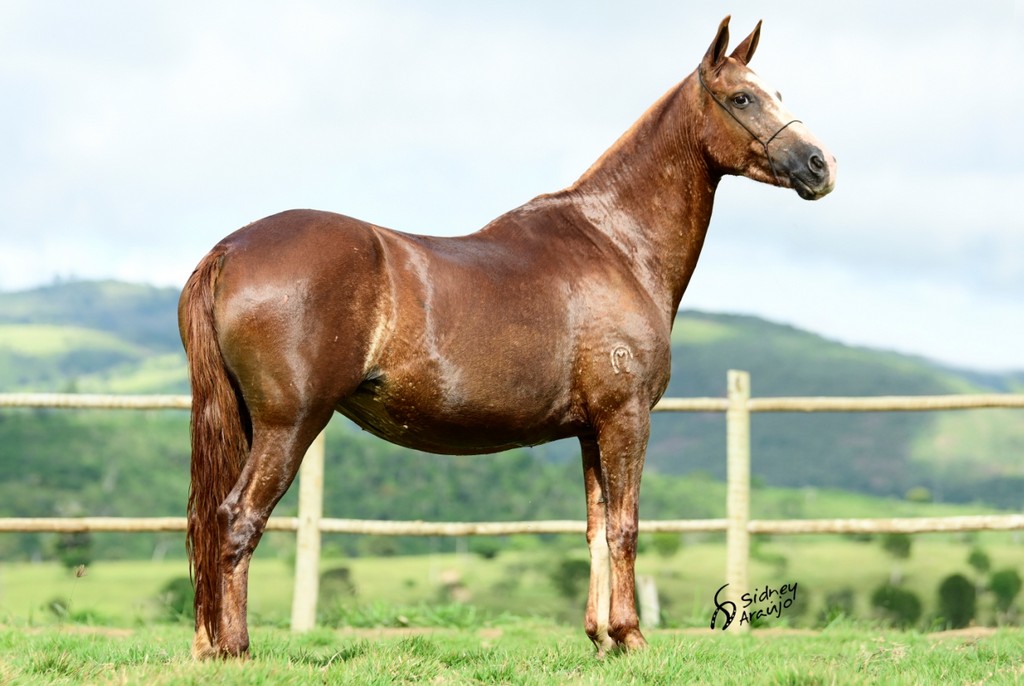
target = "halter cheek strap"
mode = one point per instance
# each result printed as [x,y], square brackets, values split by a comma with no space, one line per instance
[764,144]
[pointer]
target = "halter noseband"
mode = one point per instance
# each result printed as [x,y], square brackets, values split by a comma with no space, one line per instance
[764,144]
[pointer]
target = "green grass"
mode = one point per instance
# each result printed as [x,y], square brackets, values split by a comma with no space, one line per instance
[513,628]
[165,373]
[515,652]
[45,340]
[122,593]
[702,332]
[973,442]
[829,503]
[459,589]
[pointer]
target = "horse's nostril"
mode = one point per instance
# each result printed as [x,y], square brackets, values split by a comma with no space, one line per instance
[816,164]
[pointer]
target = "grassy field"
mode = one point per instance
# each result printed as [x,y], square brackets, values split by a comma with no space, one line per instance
[42,340]
[154,374]
[516,582]
[463,619]
[515,652]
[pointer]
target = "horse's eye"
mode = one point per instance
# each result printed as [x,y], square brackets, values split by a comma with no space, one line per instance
[741,100]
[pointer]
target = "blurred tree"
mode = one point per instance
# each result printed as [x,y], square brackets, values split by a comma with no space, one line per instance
[570,577]
[898,546]
[957,601]
[898,606]
[666,544]
[979,561]
[1006,585]
[74,549]
[837,604]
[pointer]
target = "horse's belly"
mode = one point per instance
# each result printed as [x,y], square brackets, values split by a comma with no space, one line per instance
[423,419]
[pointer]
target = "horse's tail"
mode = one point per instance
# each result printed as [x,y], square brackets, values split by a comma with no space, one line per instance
[220,444]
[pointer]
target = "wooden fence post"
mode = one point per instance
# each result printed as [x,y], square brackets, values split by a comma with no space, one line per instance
[737,535]
[647,600]
[307,540]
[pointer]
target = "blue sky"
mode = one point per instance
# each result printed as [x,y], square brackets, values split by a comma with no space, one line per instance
[136,135]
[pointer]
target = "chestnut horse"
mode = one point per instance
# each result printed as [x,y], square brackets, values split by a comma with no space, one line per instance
[552,321]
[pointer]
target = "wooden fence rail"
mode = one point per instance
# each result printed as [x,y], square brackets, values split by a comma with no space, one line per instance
[376,527]
[738,405]
[882,403]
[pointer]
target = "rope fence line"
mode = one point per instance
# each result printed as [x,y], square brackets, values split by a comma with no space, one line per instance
[892,403]
[737,406]
[376,527]
[95,401]
[74,525]
[897,525]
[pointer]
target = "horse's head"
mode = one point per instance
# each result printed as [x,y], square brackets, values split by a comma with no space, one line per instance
[747,130]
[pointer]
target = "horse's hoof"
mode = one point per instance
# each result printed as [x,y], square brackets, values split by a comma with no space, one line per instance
[630,640]
[604,645]
[238,651]
[633,640]
[202,649]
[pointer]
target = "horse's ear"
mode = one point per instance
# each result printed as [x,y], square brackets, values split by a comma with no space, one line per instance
[716,53]
[745,50]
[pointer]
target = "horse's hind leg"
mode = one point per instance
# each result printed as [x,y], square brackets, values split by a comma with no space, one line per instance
[277,452]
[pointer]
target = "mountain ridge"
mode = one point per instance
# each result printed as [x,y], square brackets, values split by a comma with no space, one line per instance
[112,336]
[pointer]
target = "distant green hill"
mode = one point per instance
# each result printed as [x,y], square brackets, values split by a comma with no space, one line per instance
[102,336]
[122,338]
[959,456]
[864,452]
[74,463]
[143,315]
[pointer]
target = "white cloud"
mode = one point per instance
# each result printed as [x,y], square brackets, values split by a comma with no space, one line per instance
[889,310]
[139,134]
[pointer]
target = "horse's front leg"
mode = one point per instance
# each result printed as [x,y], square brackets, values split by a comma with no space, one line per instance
[622,442]
[599,596]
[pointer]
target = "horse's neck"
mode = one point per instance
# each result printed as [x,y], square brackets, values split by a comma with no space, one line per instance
[651,194]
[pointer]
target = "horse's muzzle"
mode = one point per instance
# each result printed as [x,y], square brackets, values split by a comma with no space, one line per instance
[810,168]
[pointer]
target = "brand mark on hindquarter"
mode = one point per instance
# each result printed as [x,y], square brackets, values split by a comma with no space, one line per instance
[621,355]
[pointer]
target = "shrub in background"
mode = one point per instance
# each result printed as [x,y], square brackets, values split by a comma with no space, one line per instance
[979,561]
[1005,585]
[571,577]
[74,549]
[336,586]
[836,605]
[175,600]
[897,606]
[957,601]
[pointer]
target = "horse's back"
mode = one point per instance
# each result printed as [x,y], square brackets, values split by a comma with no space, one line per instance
[289,238]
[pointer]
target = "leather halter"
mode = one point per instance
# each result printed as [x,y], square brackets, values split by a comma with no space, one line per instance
[764,144]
